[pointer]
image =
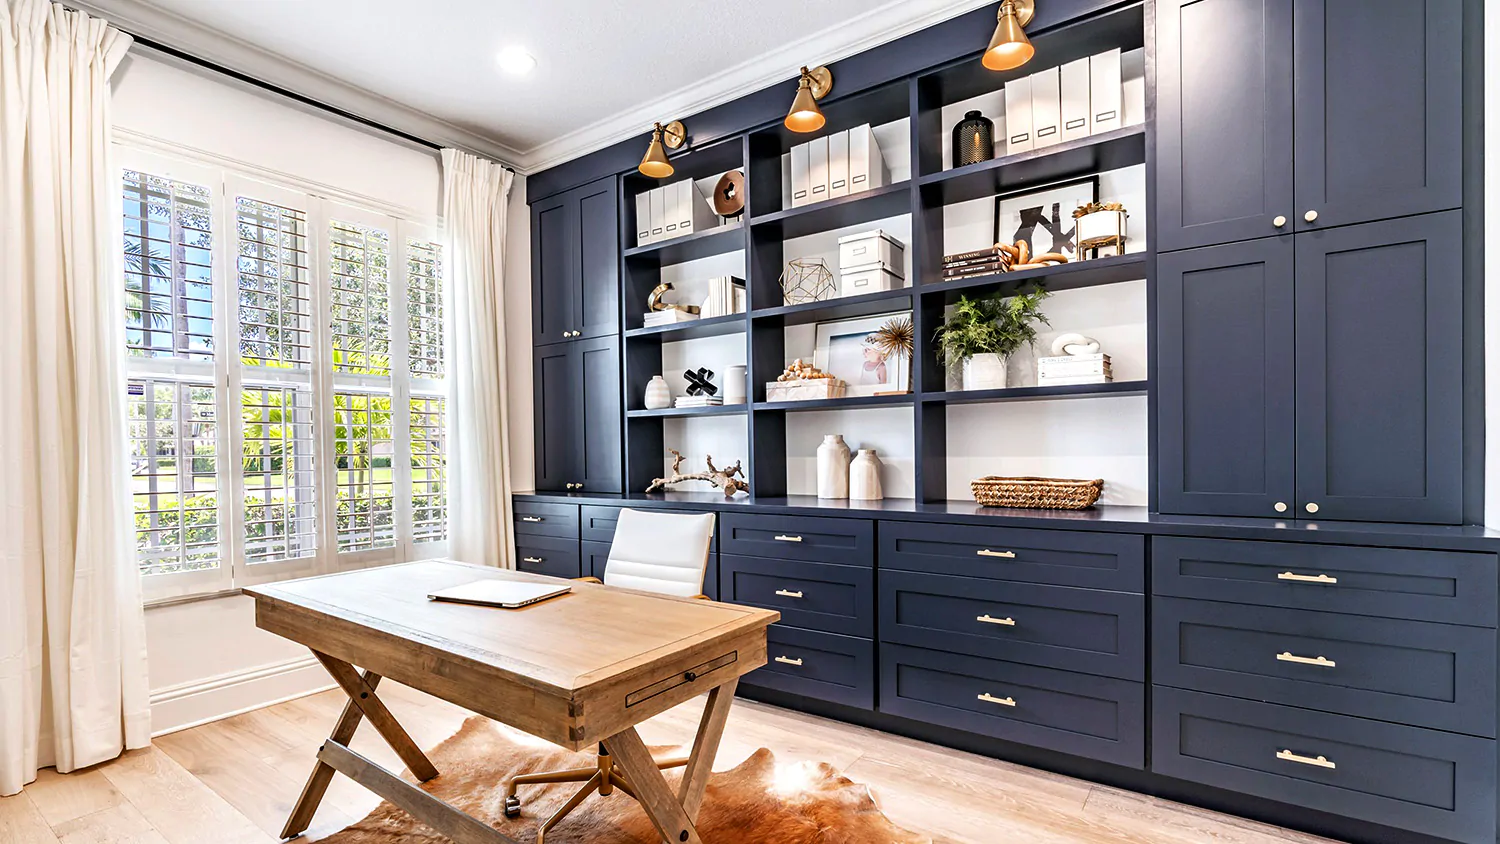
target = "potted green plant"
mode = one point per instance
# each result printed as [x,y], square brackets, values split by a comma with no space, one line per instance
[981,334]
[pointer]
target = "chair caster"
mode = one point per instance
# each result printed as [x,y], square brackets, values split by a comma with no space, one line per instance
[513,807]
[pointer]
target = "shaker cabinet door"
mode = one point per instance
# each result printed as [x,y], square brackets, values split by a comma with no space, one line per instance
[597,391]
[1379,109]
[1226,380]
[1380,371]
[556,418]
[554,238]
[597,296]
[1224,119]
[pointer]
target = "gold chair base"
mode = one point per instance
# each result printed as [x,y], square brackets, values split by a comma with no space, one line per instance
[604,779]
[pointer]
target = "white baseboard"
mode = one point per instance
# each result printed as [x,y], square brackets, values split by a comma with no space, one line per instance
[214,698]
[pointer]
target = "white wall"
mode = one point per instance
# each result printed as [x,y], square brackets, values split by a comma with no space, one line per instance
[518,338]
[207,659]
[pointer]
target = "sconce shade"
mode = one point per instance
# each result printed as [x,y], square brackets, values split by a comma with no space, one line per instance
[805,115]
[655,164]
[1010,48]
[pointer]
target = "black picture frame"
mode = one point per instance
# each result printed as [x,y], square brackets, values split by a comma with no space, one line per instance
[1059,216]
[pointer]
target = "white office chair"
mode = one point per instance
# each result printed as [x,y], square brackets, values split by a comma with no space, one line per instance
[666,553]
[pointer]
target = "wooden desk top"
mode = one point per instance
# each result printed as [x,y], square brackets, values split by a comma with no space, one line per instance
[615,655]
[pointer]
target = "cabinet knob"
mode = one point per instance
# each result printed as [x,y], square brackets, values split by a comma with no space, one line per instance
[1312,507]
[1281,506]
[1310,216]
[1279,221]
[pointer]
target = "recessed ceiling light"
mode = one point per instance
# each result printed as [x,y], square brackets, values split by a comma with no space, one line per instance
[516,61]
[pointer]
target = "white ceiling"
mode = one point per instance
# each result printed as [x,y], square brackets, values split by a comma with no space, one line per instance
[605,69]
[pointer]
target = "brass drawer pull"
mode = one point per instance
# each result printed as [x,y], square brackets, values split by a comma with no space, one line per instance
[1317,762]
[988,619]
[1307,578]
[1320,661]
[786,660]
[787,593]
[531,559]
[985,552]
[1003,701]
[532,519]
[781,537]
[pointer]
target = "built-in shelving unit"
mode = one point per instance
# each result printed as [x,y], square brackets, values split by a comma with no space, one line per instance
[692,329]
[846,403]
[682,412]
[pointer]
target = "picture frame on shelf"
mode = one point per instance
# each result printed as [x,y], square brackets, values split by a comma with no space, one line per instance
[1043,217]
[845,350]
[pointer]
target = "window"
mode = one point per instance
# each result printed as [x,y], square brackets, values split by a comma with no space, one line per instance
[320,441]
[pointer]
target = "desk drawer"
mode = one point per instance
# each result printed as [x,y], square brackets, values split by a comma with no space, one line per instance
[1410,672]
[817,596]
[1059,557]
[1405,777]
[850,542]
[548,555]
[1083,630]
[1060,710]
[1444,586]
[596,523]
[540,518]
[825,666]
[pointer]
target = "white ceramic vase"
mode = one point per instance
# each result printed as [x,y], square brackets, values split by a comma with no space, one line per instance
[864,476]
[734,385]
[833,467]
[658,394]
[984,372]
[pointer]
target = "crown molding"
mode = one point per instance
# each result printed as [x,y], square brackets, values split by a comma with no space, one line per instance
[882,24]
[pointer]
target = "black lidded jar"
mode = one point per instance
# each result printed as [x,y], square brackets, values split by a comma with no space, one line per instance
[973,139]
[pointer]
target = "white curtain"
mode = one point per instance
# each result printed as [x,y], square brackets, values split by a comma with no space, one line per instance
[73,689]
[474,204]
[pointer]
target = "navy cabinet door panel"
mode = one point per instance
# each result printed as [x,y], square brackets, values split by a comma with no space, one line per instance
[1442,586]
[558,425]
[1226,380]
[1428,781]
[818,596]
[1083,630]
[548,555]
[597,297]
[1379,113]
[1073,713]
[1063,558]
[543,518]
[1380,369]
[595,557]
[1224,118]
[601,445]
[1409,672]
[554,238]
[845,541]
[824,666]
[598,523]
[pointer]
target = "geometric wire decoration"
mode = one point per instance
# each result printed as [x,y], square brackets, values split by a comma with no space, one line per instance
[807,280]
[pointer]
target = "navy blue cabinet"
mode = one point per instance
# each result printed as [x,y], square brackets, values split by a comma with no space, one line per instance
[557,557]
[1062,558]
[822,666]
[578,425]
[575,264]
[816,596]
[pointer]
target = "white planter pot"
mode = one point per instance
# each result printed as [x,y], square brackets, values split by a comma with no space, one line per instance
[984,372]
[658,394]
[833,467]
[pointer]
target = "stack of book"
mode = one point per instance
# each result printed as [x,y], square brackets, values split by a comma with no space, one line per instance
[726,295]
[974,264]
[699,401]
[670,316]
[1069,370]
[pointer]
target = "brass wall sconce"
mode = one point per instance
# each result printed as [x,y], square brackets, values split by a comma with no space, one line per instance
[655,164]
[805,115]
[1010,48]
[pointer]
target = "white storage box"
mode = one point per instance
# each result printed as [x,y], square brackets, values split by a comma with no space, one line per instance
[1104,91]
[1018,115]
[1074,113]
[1046,107]
[869,278]
[871,247]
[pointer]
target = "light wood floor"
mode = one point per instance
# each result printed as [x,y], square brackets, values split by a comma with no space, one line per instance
[233,782]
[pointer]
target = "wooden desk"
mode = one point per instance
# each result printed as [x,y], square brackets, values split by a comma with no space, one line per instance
[575,670]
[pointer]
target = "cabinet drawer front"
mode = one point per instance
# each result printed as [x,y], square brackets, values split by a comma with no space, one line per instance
[1073,713]
[817,596]
[596,523]
[1063,558]
[1406,777]
[541,518]
[1444,586]
[850,542]
[1410,672]
[825,666]
[1081,630]
[548,555]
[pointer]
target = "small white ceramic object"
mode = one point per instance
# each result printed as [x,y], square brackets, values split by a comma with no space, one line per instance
[984,372]
[734,384]
[864,476]
[1074,344]
[658,394]
[833,467]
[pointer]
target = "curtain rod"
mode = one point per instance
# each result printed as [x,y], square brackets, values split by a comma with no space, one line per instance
[292,95]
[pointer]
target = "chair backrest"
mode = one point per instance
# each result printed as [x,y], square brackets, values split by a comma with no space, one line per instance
[666,553]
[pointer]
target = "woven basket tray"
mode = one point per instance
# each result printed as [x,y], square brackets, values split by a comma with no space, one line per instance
[1037,493]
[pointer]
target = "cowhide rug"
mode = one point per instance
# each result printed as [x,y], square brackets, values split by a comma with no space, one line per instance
[757,802]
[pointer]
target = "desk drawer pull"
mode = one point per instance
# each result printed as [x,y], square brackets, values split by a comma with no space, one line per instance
[988,619]
[1307,578]
[532,519]
[786,660]
[1320,661]
[532,560]
[1317,762]
[1003,701]
[781,537]
[985,552]
[787,593]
